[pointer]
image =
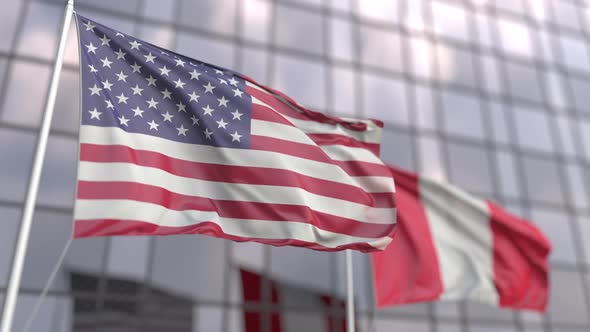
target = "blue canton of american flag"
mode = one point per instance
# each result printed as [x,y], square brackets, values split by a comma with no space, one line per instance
[144,89]
[171,145]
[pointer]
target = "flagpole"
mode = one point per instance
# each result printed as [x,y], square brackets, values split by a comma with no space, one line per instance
[33,188]
[350,322]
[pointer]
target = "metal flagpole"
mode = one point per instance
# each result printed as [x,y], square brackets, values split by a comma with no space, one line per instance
[31,198]
[350,322]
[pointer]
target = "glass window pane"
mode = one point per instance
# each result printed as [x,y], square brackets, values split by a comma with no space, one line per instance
[539,9]
[576,176]
[575,53]
[339,5]
[58,180]
[463,115]
[455,66]
[430,158]
[542,180]
[414,18]
[17,154]
[584,236]
[293,266]
[128,6]
[532,128]
[566,14]
[397,148]
[547,49]
[344,91]
[425,111]
[205,49]
[385,99]
[159,10]
[555,88]
[514,6]
[450,21]
[422,53]
[201,260]
[555,224]
[255,20]
[565,127]
[299,29]
[383,10]
[341,46]
[580,93]
[491,76]
[499,122]
[87,255]
[49,234]
[584,130]
[488,328]
[391,324]
[567,304]
[523,82]
[8,20]
[470,168]
[381,48]
[8,232]
[308,89]
[208,318]
[254,64]
[477,311]
[50,316]
[484,30]
[128,256]
[448,327]
[509,183]
[447,309]
[160,35]
[26,92]
[39,35]
[211,15]
[515,37]
[67,104]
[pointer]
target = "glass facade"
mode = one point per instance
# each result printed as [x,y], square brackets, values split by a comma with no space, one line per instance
[492,95]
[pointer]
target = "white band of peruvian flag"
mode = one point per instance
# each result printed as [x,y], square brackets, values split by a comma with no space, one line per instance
[450,245]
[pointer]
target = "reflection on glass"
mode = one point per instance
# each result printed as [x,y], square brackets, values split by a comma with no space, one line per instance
[25,93]
[542,180]
[299,29]
[385,99]
[567,304]
[450,21]
[310,90]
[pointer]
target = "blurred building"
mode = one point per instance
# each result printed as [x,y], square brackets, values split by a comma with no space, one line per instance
[492,95]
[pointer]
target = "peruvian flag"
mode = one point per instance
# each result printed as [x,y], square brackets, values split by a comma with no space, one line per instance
[450,245]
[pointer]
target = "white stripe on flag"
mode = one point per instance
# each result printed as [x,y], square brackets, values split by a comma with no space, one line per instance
[125,172]
[460,225]
[227,156]
[267,229]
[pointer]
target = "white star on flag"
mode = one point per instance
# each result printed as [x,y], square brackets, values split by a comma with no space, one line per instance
[94,114]
[235,136]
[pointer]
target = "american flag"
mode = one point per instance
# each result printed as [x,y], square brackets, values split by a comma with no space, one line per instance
[172,145]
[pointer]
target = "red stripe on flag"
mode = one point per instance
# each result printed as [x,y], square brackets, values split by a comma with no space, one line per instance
[110,227]
[229,209]
[234,174]
[407,270]
[261,112]
[520,261]
[311,152]
[330,139]
[276,104]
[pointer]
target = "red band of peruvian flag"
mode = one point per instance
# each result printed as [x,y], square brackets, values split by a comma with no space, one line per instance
[450,245]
